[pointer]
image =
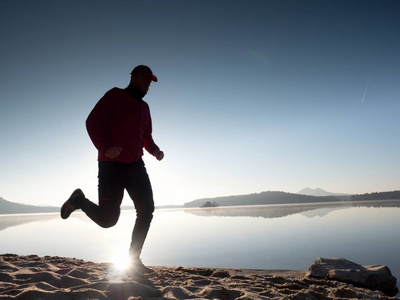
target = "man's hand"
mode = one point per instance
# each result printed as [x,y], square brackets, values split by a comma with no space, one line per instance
[113,152]
[158,154]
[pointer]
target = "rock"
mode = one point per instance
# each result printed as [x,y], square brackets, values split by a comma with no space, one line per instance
[376,277]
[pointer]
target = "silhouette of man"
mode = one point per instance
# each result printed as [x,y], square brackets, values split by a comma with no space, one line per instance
[120,126]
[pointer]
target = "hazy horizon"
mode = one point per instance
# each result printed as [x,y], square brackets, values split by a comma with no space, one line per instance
[252,95]
[317,192]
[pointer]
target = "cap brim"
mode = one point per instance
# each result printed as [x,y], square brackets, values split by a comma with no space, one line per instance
[154,78]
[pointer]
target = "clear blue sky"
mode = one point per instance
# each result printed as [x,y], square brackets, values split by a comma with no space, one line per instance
[252,95]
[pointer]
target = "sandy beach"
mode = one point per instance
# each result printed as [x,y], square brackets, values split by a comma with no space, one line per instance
[33,277]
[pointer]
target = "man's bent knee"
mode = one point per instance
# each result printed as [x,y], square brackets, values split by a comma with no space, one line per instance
[108,222]
[109,217]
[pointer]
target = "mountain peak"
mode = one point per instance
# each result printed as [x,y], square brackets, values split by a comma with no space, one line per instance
[317,192]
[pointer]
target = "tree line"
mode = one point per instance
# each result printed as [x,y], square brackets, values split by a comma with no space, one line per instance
[377,196]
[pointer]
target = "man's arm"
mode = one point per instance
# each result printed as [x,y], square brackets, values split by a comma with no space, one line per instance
[149,143]
[96,123]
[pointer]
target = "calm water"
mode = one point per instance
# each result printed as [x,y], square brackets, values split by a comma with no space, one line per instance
[262,237]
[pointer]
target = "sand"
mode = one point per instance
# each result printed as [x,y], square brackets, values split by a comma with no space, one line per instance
[33,277]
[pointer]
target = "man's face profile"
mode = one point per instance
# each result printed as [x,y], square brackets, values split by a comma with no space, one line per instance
[142,81]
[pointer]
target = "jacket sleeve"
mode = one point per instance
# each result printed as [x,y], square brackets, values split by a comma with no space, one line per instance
[96,123]
[149,144]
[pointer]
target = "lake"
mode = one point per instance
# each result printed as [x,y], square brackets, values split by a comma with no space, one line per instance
[252,237]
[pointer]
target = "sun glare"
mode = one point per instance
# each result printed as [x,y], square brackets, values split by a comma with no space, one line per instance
[121,261]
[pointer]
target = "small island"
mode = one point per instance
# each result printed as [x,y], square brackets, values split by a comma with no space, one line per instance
[210,204]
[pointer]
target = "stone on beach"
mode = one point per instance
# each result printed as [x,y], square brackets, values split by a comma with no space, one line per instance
[375,277]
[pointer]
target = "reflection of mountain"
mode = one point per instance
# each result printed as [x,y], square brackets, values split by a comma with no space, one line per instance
[279,211]
[321,212]
[15,220]
[7,207]
[268,211]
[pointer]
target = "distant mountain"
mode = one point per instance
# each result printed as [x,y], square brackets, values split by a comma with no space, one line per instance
[269,197]
[318,192]
[7,207]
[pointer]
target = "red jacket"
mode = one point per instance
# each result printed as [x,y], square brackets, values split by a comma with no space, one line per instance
[118,119]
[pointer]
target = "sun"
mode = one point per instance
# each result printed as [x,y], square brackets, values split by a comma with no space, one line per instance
[121,261]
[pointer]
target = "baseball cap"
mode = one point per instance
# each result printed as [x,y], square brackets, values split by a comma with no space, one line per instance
[142,69]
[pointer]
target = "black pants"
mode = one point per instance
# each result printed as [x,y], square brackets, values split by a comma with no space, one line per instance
[114,178]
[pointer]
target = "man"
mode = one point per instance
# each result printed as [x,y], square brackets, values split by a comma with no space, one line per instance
[119,127]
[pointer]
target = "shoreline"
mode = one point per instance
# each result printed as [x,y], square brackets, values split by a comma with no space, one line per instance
[53,277]
[54,210]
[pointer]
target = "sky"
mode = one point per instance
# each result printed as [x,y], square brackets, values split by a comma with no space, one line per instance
[252,95]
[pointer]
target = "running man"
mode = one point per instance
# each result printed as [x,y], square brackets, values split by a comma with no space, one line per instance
[120,127]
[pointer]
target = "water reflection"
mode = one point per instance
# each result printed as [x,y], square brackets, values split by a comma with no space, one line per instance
[279,211]
[377,204]
[309,210]
[15,220]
